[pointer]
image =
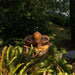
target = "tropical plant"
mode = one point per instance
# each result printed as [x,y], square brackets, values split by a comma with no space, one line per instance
[3,70]
[18,62]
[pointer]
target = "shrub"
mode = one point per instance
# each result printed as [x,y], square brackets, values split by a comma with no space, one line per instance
[60,19]
[18,62]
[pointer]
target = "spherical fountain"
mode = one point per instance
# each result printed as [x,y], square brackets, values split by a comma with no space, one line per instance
[41,42]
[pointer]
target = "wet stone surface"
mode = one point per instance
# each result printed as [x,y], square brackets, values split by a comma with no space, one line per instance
[70,54]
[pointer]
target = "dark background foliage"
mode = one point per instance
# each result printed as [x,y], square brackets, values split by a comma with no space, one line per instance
[20,18]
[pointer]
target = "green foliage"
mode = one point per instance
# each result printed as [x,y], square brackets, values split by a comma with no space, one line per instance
[18,62]
[52,36]
[2,58]
[1,42]
[13,54]
[15,41]
[20,18]
[60,19]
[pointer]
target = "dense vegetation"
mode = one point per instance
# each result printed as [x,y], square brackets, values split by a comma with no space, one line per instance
[20,18]
[18,62]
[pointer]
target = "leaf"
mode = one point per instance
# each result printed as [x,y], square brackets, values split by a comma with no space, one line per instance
[60,73]
[50,70]
[20,50]
[31,50]
[69,66]
[12,60]
[13,53]
[52,37]
[16,50]
[8,52]
[24,68]
[42,64]
[65,73]
[31,46]
[18,66]
[65,61]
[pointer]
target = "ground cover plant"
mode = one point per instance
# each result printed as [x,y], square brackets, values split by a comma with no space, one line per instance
[15,61]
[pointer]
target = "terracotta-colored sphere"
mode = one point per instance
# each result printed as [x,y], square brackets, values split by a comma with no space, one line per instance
[37,35]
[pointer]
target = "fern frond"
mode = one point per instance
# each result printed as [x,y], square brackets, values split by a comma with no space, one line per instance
[20,50]
[8,53]
[12,60]
[2,58]
[18,66]
[31,50]
[3,53]
[26,66]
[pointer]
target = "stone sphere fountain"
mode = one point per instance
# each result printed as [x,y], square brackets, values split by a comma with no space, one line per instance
[41,42]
